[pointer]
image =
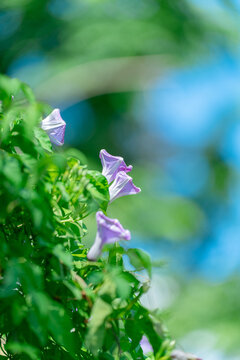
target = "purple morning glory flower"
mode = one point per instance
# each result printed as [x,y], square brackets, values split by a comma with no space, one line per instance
[54,126]
[112,165]
[108,232]
[122,185]
[145,345]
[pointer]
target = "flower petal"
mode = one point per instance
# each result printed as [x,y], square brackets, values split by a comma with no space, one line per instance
[96,249]
[112,165]
[108,232]
[145,345]
[122,185]
[55,126]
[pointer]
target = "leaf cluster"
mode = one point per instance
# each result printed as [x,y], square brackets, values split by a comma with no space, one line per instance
[55,304]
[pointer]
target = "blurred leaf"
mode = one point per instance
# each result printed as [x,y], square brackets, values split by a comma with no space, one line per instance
[96,331]
[28,92]
[19,348]
[62,255]
[60,327]
[75,153]
[140,260]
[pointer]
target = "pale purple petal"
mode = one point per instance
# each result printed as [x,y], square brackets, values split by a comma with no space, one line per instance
[54,126]
[108,232]
[122,185]
[112,165]
[145,345]
[96,249]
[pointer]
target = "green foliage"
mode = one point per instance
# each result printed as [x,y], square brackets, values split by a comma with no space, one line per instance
[216,315]
[55,304]
[167,216]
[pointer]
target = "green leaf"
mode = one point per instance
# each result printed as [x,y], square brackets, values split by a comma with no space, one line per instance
[12,171]
[20,348]
[140,260]
[28,92]
[75,153]
[43,139]
[60,327]
[96,327]
[62,255]
[98,188]
[8,88]
[123,286]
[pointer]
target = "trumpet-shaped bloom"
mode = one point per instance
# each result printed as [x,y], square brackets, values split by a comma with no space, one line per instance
[112,165]
[122,185]
[145,345]
[54,126]
[108,232]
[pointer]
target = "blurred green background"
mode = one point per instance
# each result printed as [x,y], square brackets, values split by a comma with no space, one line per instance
[156,81]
